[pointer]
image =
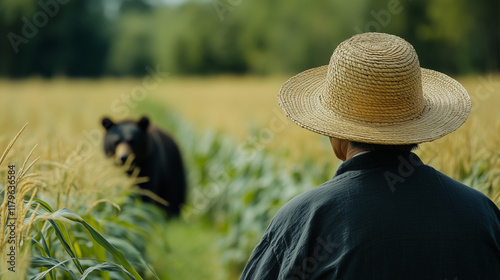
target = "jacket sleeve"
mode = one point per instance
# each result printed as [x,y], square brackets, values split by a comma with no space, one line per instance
[263,263]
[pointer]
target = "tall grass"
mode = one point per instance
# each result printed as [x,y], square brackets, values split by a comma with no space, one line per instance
[13,211]
[235,188]
[239,191]
[470,155]
[41,243]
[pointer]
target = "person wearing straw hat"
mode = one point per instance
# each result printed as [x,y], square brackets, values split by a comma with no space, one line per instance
[384,214]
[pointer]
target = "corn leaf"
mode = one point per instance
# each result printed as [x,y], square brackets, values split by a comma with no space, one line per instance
[68,214]
[106,267]
[51,264]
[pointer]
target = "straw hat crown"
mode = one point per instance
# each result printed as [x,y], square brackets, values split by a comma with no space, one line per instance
[374,91]
[374,81]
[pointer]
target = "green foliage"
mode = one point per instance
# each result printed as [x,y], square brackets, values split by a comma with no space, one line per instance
[41,28]
[132,40]
[62,246]
[191,253]
[236,187]
[122,37]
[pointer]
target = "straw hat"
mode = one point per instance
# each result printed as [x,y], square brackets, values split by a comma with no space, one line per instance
[374,91]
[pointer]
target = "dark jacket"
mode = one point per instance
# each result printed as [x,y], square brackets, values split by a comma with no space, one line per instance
[384,215]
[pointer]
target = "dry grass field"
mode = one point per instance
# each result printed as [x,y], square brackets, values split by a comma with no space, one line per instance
[63,117]
[62,110]
[66,114]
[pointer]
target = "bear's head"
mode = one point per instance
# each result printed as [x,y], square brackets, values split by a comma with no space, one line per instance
[126,139]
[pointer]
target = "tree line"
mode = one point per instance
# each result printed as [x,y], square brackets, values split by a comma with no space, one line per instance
[92,38]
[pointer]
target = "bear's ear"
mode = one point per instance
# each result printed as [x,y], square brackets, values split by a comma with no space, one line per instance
[143,123]
[107,123]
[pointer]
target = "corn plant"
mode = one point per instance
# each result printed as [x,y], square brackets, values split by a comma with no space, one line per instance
[240,191]
[42,243]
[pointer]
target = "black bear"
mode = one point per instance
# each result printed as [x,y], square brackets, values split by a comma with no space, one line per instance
[156,155]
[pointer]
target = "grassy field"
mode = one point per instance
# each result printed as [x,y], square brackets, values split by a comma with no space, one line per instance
[64,109]
[64,116]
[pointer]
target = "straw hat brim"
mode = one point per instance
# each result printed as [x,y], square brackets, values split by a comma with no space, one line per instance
[447,106]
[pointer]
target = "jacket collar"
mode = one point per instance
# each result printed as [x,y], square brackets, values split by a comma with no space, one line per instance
[378,159]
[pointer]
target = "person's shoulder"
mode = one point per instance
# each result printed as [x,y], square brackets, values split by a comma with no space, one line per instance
[465,193]
[306,205]
[454,185]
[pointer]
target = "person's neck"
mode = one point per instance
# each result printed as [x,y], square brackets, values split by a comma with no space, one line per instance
[353,151]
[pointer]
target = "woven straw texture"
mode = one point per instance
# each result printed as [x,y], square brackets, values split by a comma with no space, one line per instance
[374,91]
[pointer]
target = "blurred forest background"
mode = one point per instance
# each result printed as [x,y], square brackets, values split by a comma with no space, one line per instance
[121,37]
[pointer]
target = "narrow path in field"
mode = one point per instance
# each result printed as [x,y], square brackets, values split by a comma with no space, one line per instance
[192,253]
